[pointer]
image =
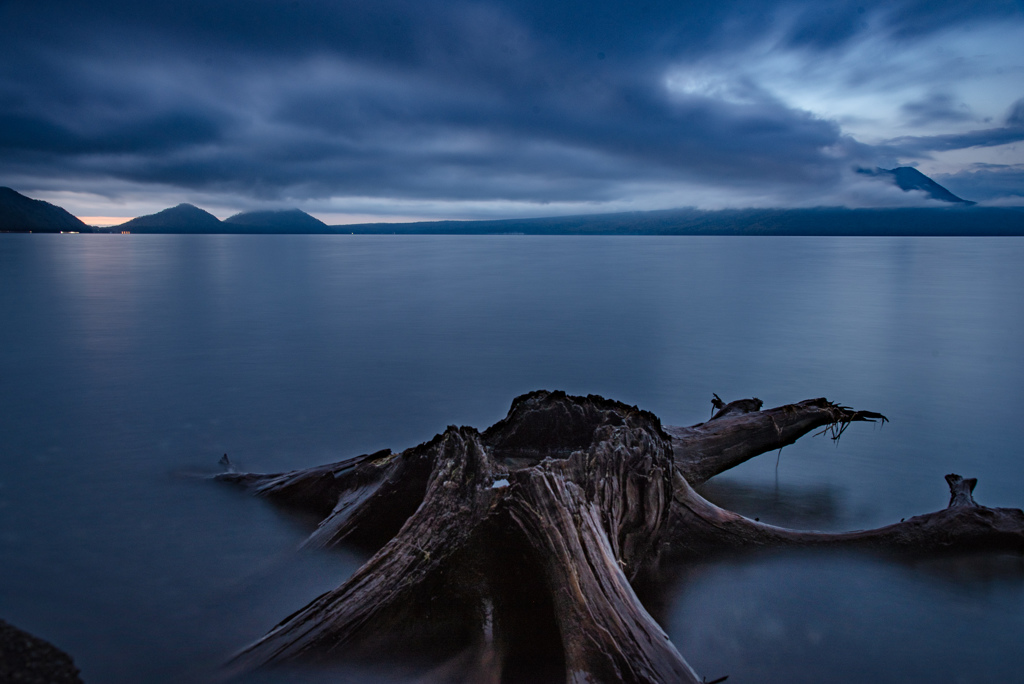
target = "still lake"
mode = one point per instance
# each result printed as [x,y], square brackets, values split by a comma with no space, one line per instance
[129,364]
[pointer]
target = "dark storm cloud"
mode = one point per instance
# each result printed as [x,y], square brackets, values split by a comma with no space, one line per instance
[828,26]
[935,107]
[923,146]
[521,100]
[156,132]
[1015,117]
[921,17]
[987,182]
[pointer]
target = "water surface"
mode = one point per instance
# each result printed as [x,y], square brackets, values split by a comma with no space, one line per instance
[129,364]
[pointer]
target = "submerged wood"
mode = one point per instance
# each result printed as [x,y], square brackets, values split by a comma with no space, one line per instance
[510,553]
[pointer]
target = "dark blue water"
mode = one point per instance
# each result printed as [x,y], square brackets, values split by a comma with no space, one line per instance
[129,364]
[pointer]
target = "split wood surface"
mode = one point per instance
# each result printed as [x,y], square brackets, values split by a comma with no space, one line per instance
[510,554]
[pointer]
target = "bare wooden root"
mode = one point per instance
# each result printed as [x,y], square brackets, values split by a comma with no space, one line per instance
[521,542]
[700,528]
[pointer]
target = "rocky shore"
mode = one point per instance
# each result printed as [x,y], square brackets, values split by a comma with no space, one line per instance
[26,659]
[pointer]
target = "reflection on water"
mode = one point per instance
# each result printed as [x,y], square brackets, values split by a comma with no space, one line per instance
[126,360]
[800,506]
[971,575]
[812,617]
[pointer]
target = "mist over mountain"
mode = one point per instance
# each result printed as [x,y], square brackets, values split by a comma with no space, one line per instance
[184,218]
[280,221]
[23,214]
[829,221]
[954,216]
[908,178]
[521,104]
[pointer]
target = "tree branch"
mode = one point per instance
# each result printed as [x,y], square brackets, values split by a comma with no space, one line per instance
[740,431]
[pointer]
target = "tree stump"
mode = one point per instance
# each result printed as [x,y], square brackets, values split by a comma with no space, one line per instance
[509,553]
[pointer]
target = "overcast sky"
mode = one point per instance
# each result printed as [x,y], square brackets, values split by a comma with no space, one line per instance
[385,110]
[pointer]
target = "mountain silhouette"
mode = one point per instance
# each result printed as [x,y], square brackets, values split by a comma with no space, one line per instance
[908,178]
[280,221]
[23,214]
[950,219]
[183,218]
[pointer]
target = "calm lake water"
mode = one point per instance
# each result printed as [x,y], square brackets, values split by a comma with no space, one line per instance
[129,364]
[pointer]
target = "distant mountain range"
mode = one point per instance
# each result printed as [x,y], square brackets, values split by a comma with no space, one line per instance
[20,214]
[183,218]
[186,218]
[284,221]
[833,221]
[957,217]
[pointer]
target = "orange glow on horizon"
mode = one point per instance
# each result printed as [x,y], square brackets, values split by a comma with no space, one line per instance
[104,220]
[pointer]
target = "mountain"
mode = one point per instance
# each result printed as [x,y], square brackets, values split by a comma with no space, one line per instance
[959,220]
[183,218]
[908,178]
[186,218]
[281,221]
[22,214]
[956,218]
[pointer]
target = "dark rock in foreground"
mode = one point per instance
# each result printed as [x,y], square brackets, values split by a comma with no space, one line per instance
[26,659]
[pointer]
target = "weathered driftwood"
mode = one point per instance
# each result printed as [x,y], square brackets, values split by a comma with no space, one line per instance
[510,553]
[698,527]
[741,431]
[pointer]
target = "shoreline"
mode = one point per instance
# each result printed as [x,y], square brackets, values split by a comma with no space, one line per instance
[28,659]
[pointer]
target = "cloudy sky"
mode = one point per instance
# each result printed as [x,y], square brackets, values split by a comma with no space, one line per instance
[388,110]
